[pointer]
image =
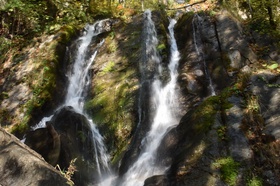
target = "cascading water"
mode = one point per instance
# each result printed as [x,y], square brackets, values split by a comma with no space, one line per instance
[196,24]
[164,99]
[78,81]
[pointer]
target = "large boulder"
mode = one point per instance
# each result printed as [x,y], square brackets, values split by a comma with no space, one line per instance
[76,142]
[19,165]
[68,137]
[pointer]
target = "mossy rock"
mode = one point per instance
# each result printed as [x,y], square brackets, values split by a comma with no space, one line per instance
[45,80]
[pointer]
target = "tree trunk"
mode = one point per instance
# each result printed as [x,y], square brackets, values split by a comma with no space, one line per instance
[270,15]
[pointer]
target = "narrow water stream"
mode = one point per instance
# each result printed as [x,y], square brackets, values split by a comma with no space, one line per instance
[164,98]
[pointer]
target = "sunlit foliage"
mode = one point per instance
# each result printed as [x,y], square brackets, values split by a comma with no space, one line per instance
[262,15]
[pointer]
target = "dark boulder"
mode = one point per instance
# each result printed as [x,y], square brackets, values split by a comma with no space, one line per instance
[46,142]
[67,137]
[76,142]
[159,180]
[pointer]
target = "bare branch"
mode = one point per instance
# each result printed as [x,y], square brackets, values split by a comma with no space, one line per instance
[188,5]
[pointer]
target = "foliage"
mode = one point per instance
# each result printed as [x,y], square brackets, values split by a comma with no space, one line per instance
[125,9]
[69,172]
[23,17]
[161,47]
[69,11]
[228,168]
[264,16]
[29,18]
[252,104]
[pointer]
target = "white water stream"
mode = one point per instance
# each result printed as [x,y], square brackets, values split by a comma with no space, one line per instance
[196,24]
[164,98]
[78,81]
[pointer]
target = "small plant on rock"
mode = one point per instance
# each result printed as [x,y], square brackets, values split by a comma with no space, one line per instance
[255,182]
[229,169]
[70,171]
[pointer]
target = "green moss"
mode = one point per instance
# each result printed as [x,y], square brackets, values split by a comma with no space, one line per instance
[42,80]
[255,181]
[67,32]
[221,131]
[205,114]
[184,19]
[161,47]
[112,47]
[229,169]
[111,105]
[109,67]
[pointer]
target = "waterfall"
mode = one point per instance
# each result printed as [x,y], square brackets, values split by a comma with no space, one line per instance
[197,26]
[78,81]
[164,99]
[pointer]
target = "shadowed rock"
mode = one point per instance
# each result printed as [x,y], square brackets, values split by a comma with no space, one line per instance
[46,142]
[156,181]
[68,136]
[19,165]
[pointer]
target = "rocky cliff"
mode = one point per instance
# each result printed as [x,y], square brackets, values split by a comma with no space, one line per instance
[228,84]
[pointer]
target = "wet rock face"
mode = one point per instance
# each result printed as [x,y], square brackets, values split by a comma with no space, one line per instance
[76,142]
[213,46]
[168,151]
[104,26]
[67,136]
[209,48]
[148,70]
[201,58]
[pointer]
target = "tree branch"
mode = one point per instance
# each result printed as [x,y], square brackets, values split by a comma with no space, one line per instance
[188,5]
